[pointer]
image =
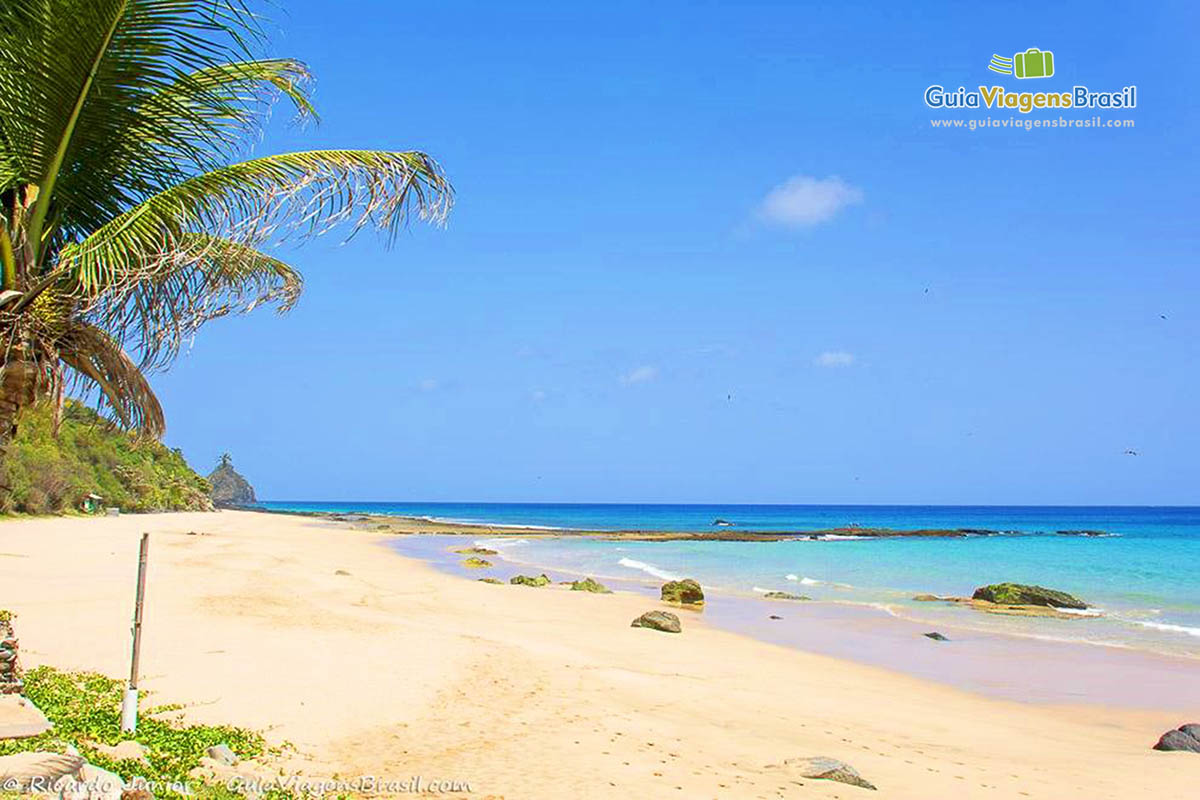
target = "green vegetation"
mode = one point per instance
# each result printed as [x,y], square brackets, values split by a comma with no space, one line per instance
[590,585]
[48,474]
[127,220]
[86,709]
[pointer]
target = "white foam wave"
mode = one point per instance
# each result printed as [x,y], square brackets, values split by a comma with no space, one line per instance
[1166,626]
[500,543]
[760,590]
[649,569]
[805,581]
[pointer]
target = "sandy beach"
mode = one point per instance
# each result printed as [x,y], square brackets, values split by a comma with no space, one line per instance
[374,664]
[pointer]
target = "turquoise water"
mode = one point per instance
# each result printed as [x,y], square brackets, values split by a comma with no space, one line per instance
[1143,576]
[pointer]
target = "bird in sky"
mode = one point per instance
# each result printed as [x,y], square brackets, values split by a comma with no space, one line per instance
[1131,452]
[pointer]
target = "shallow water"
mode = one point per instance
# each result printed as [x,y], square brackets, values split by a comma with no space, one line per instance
[1144,576]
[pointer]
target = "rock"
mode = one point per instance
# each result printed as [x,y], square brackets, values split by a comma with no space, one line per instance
[222,754]
[37,771]
[476,551]
[20,718]
[659,621]
[98,784]
[127,750]
[937,637]
[1185,738]
[774,616]
[827,769]
[686,592]
[785,596]
[589,585]
[530,580]
[1019,594]
[491,580]
[340,572]
[723,523]
[928,598]
[476,563]
[229,489]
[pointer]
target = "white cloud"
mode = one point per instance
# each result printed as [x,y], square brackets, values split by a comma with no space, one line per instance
[834,358]
[538,395]
[640,375]
[428,385]
[804,201]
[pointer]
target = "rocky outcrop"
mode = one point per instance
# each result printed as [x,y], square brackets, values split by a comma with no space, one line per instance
[230,489]
[530,580]
[590,585]
[491,580]
[937,637]
[1020,594]
[476,563]
[476,551]
[659,621]
[686,592]
[1185,738]
[823,768]
[785,596]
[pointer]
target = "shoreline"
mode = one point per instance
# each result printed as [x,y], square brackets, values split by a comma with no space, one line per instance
[302,629]
[1081,671]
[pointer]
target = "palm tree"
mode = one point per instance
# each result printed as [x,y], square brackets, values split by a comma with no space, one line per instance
[130,212]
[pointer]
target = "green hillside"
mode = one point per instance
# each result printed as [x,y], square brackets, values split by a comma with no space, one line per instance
[44,474]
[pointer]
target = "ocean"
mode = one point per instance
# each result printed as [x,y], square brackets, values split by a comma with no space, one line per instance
[1142,576]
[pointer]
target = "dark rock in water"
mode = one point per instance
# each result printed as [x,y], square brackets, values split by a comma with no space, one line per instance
[530,580]
[774,616]
[827,769]
[1185,738]
[659,621]
[1019,594]
[937,637]
[477,551]
[723,523]
[685,592]
[229,489]
[1082,533]
[589,585]
[785,596]
[476,563]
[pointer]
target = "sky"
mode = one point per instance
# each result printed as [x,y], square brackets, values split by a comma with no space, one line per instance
[717,252]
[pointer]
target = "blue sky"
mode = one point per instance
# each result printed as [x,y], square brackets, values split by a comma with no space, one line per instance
[715,252]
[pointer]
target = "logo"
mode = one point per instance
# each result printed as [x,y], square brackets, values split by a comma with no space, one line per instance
[1033,63]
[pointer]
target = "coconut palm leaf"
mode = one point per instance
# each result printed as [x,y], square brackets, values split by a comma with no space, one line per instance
[99,363]
[262,200]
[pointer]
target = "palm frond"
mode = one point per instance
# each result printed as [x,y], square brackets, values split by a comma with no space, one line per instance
[197,278]
[99,363]
[261,201]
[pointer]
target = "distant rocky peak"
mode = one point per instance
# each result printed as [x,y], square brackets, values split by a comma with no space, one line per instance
[229,488]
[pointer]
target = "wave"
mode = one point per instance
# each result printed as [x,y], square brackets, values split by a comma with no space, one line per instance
[1166,626]
[802,581]
[649,569]
[499,543]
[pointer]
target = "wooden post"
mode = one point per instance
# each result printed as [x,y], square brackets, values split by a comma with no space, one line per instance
[130,701]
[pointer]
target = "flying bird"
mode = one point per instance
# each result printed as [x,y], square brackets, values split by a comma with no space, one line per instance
[1131,452]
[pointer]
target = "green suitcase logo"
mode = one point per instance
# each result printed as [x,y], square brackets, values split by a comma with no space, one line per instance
[1033,63]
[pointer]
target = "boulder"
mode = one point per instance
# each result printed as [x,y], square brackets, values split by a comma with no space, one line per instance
[928,598]
[1019,594]
[589,585]
[659,621]
[937,637]
[37,771]
[222,754]
[491,580]
[20,718]
[476,563]
[530,580]
[128,750]
[686,592]
[785,596]
[827,769]
[1185,738]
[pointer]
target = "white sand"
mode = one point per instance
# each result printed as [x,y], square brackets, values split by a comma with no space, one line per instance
[396,670]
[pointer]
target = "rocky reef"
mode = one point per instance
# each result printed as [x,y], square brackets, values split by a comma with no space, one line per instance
[535,581]
[686,592]
[590,585]
[1020,594]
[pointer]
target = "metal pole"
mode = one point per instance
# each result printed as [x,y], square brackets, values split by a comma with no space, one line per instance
[130,702]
